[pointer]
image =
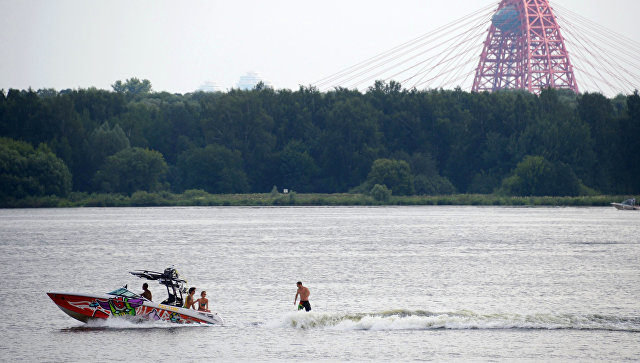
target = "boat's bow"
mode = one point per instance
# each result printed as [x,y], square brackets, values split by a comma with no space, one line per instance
[80,307]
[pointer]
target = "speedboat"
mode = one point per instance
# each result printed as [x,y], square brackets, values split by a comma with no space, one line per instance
[124,303]
[629,204]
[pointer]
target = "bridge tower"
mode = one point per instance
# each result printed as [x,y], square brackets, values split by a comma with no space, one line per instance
[524,50]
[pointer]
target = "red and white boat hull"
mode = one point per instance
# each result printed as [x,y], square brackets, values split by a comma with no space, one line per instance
[90,307]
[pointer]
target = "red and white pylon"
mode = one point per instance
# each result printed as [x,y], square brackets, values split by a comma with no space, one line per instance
[524,50]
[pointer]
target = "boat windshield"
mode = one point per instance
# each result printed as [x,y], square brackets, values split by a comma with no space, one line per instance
[629,202]
[123,292]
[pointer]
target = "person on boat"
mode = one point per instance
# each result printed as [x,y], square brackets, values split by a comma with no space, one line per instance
[190,302]
[203,302]
[146,293]
[304,297]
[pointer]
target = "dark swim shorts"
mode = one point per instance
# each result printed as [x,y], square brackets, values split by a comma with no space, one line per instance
[305,305]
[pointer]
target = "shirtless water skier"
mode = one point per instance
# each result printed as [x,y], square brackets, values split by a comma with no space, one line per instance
[304,297]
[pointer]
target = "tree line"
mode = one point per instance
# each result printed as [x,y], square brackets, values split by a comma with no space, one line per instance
[388,138]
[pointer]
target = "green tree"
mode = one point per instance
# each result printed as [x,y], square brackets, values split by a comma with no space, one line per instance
[238,121]
[536,176]
[25,171]
[380,193]
[559,135]
[597,111]
[297,167]
[395,174]
[427,180]
[98,105]
[350,141]
[214,169]
[106,141]
[628,141]
[130,170]
[132,86]
[315,141]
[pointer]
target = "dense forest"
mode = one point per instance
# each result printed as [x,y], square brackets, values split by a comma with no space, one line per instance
[410,142]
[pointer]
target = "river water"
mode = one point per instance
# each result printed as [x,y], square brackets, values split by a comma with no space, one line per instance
[387,283]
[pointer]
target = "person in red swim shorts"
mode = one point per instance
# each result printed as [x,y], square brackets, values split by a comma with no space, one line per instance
[304,297]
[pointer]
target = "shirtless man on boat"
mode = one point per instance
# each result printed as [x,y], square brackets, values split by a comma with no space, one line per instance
[304,297]
[145,292]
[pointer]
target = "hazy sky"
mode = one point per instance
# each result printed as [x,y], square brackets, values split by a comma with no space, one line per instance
[178,45]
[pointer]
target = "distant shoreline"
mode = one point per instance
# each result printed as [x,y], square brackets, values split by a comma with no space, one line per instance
[201,198]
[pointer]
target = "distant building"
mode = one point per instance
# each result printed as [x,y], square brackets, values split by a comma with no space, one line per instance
[250,80]
[209,86]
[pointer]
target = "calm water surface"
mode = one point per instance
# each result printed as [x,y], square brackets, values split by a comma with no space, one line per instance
[405,283]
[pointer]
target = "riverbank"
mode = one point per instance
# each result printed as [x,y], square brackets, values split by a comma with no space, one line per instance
[201,198]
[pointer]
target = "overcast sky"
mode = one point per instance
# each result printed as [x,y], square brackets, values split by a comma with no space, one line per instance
[178,45]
